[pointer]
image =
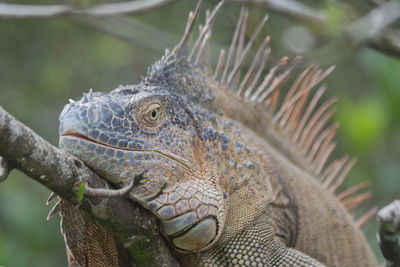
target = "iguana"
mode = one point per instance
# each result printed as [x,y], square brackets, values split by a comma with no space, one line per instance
[236,175]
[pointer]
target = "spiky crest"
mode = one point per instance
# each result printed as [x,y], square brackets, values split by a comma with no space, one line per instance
[298,117]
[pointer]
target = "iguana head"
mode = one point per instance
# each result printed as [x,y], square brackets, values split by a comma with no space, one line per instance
[152,128]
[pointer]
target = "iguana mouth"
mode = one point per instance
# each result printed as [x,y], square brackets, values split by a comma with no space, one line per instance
[185,163]
[81,136]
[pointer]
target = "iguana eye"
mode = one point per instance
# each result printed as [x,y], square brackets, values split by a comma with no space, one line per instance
[152,113]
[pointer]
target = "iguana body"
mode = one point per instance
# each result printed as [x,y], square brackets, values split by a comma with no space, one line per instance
[235,179]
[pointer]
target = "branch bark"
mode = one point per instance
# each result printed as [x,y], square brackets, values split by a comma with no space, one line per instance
[60,172]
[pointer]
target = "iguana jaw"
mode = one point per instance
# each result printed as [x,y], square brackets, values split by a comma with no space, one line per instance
[185,163]
[75,135]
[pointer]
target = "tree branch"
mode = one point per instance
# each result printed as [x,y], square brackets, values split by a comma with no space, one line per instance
[108,9]
[133,31]
[388,42]
[292,9]
[379,40]
[60,172]
[389,233]
[371,25]
[370,30]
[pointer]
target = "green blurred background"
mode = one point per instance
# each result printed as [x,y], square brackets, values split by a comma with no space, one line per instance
[44,62]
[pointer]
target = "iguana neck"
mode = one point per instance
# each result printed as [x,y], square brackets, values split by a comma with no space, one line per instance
[255,118]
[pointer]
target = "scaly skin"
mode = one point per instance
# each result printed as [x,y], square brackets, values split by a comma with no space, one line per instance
[222,191]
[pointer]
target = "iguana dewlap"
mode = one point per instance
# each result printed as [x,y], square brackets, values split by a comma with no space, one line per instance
[235,178]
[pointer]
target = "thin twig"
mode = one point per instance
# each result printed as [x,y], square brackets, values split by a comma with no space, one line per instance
[54,210]
[108,9]
[51,197]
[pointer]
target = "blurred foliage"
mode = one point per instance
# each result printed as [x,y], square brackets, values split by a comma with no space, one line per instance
[338,16]
[45,62]
[363,123]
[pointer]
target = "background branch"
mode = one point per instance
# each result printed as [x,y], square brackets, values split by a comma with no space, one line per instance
[132,30]
[373,23]
[108,9]
[369,29]
[60,172]
[291,8]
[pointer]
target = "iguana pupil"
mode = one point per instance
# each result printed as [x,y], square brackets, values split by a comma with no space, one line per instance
[154,114]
